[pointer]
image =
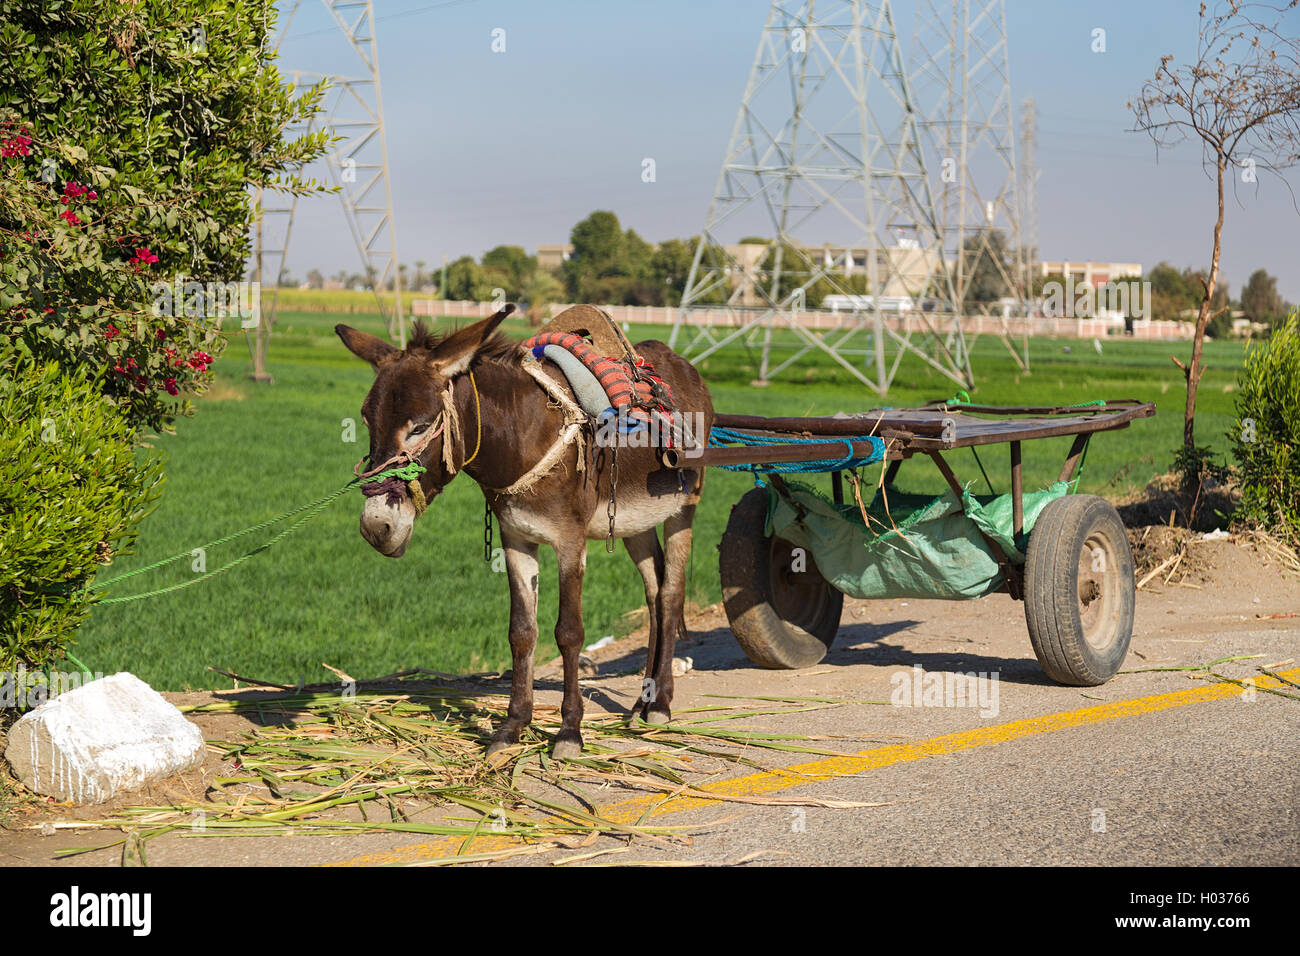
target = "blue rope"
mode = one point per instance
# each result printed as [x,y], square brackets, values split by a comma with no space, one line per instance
[720,437]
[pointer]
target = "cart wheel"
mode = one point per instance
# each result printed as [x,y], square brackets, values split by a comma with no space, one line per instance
[781,618]
[1079,591]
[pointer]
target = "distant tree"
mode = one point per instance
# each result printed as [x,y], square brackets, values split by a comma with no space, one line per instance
[636,257]
[670,266]
[1196,279]
[985,268]
[796,269]
[1240,99]
[542,291]
[467,281]
[419,273]
[1260,301]
[1170,296]
[515,266]
[597,252]
[314,279]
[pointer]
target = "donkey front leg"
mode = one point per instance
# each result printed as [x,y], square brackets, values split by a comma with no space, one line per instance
[569,633]
[521,569]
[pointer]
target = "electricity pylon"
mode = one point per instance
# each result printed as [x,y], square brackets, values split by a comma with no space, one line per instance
[354,108]
[826,139]
[963,88]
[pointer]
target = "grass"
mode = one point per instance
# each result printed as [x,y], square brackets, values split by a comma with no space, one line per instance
[323,596]
[377,751]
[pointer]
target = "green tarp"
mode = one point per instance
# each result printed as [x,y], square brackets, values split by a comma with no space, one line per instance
[937,550]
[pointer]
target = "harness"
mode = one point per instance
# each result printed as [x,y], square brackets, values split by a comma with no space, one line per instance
[401,473]
[574,420]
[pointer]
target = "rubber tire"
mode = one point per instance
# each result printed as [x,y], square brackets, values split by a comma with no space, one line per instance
[744,566]
[1056,628]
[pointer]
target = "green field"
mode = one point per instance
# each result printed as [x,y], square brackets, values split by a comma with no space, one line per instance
[324,596]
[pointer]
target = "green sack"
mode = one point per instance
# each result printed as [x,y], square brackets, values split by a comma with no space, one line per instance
[919,548]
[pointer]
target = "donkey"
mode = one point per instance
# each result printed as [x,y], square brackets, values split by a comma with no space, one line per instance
[467,401]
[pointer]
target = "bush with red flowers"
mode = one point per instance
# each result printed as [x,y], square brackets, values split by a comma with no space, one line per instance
[132,173]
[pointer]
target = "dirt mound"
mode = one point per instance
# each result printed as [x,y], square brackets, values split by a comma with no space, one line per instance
[1161,503]
[1174,554]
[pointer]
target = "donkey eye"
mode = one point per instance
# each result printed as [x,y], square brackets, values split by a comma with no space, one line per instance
[418,430]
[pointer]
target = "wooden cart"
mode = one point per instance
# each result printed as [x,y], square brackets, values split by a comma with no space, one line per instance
[1076,580]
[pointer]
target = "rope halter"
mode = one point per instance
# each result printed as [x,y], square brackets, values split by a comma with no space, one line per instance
[400,474]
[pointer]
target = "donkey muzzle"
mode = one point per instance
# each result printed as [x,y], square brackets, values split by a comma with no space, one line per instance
[387,527]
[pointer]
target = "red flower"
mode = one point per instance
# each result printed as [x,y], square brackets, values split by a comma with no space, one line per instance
[70,216]
[142,258]
[170,385]
[19,145]
[162,333]
[112,331]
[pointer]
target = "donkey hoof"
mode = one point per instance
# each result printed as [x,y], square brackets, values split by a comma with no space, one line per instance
[567,747]
[656,715]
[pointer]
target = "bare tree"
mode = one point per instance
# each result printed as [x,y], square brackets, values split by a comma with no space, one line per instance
[1240,100]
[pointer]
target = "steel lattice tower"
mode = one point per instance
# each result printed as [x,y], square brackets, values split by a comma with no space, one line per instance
[1029,189]
[963,87]
[826,148]
[354,108]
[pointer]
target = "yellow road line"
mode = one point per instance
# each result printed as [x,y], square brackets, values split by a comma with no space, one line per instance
[768,781]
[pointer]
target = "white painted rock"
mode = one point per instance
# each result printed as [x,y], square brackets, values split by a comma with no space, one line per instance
[113,734]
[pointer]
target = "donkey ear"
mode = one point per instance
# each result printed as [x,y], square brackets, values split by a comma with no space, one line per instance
[455,353]
[364,345]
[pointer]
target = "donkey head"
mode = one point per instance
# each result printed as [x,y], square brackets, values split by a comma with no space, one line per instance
[407,414]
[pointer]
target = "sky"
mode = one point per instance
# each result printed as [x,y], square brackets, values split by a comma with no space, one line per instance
[514,147]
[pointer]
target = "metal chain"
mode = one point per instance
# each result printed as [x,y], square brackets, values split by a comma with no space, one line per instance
[612,508]
[487,531]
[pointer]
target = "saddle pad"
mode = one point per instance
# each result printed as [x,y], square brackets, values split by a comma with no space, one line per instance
[633,390]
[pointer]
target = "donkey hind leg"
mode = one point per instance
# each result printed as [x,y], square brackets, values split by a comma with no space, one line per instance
[645,552]
[672,613]
[521,569]
[569,633]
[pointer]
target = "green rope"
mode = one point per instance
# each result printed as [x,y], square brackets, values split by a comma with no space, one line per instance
[84,668]
[1074,485]
[408,472]
[311,508]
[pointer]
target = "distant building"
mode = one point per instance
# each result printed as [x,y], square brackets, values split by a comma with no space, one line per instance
[1095,274]
[553,256]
